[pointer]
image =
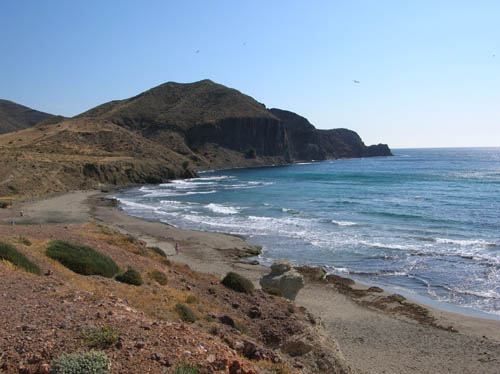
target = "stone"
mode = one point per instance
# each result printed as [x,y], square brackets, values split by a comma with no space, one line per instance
[280,267]
[226,320]
[286,284]
[296,348]
[254,312]
[44,369]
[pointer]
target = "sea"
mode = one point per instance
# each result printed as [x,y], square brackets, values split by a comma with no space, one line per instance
[424,223]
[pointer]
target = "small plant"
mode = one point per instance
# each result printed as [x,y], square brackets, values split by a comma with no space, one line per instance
[251,153]
[208,318]
[159,277]
[22,240]
[186,369]
[4,205]
[12,189]
[158,251]
[11,254]
[185,165]
[212,291]
[191,299]
[81,259]
[93,362]
[183,280]
[166,261]
[241,327]
[131,276]
[185,313]
[238,283]
[102,337]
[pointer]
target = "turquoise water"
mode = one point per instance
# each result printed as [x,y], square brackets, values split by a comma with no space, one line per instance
[426,221]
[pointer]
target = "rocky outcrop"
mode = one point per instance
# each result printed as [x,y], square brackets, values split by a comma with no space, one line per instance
[308,143]
[283,280]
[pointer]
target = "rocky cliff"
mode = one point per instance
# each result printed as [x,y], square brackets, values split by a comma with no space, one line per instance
[161,134]
[309,143]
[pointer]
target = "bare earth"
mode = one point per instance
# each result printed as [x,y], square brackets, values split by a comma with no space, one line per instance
[372,340]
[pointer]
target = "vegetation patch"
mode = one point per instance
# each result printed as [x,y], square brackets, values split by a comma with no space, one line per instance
[11,254]
[185,313]
[22,240]
[186,369]
[131,276]
[159,276]
[4,205]
[238,283]
[94,362]
[191,299]
[241,327]
[158,251]
[102,337]
[81,259]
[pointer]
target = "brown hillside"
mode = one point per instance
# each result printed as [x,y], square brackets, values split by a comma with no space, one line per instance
[14,117]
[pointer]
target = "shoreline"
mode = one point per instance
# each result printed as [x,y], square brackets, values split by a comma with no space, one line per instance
[373,336]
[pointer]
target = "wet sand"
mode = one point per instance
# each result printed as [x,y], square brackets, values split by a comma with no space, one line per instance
[374,337]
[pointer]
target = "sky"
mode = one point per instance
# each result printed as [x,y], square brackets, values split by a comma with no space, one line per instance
[428,71]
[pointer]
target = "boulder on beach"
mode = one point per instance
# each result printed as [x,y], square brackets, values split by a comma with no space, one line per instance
[283,280]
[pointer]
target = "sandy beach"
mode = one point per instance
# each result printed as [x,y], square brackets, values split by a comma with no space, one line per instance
[373,340]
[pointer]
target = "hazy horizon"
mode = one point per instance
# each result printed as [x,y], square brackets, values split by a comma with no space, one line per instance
[420,75]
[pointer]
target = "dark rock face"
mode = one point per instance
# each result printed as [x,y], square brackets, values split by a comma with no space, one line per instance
[308,143]
[266,136]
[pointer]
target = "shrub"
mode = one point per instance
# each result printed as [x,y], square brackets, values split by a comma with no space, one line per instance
[191,299]
[250,153]
[185,313]
[159,277]
[186,369]
[158,251]
[81,259]
[92,362]
[4,205]
[131,276]
[241,327]
[102,337]
[22,240]
[11,254]
[238,283]
[212,291]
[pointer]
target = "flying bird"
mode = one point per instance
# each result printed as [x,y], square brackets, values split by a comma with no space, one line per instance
[355,81]
[244,43]
[197,51]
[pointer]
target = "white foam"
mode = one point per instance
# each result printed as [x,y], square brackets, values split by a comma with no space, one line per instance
[217,208]
[466,243]
[343,223]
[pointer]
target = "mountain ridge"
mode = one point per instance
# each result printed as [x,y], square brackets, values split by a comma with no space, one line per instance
[168,132]
[14,117]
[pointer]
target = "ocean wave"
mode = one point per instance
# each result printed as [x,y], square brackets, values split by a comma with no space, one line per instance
[217,208]
[467,242]
[343,223]
[290,211]
[163,193]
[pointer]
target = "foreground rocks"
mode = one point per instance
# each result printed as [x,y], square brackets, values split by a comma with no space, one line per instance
[283,280]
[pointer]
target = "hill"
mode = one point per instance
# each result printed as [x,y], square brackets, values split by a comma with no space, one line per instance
[170,131]
[14,117]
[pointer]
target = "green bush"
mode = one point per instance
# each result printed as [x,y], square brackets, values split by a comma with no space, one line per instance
[131,276]
[158,251]
[191,299]
[92,362]
[159,277]
[238,283]
[185,313]
[11,254]
[81,259]
[102,337]
[186,369]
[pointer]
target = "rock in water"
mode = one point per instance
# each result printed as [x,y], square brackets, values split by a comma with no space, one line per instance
[283,280]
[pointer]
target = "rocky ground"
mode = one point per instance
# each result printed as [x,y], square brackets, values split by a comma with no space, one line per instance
[42,317]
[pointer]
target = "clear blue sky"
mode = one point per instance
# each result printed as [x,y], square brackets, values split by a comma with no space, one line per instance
[427,71]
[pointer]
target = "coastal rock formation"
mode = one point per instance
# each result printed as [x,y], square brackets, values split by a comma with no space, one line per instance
[167,132]
[14,117]
[283,280]
[308,143]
